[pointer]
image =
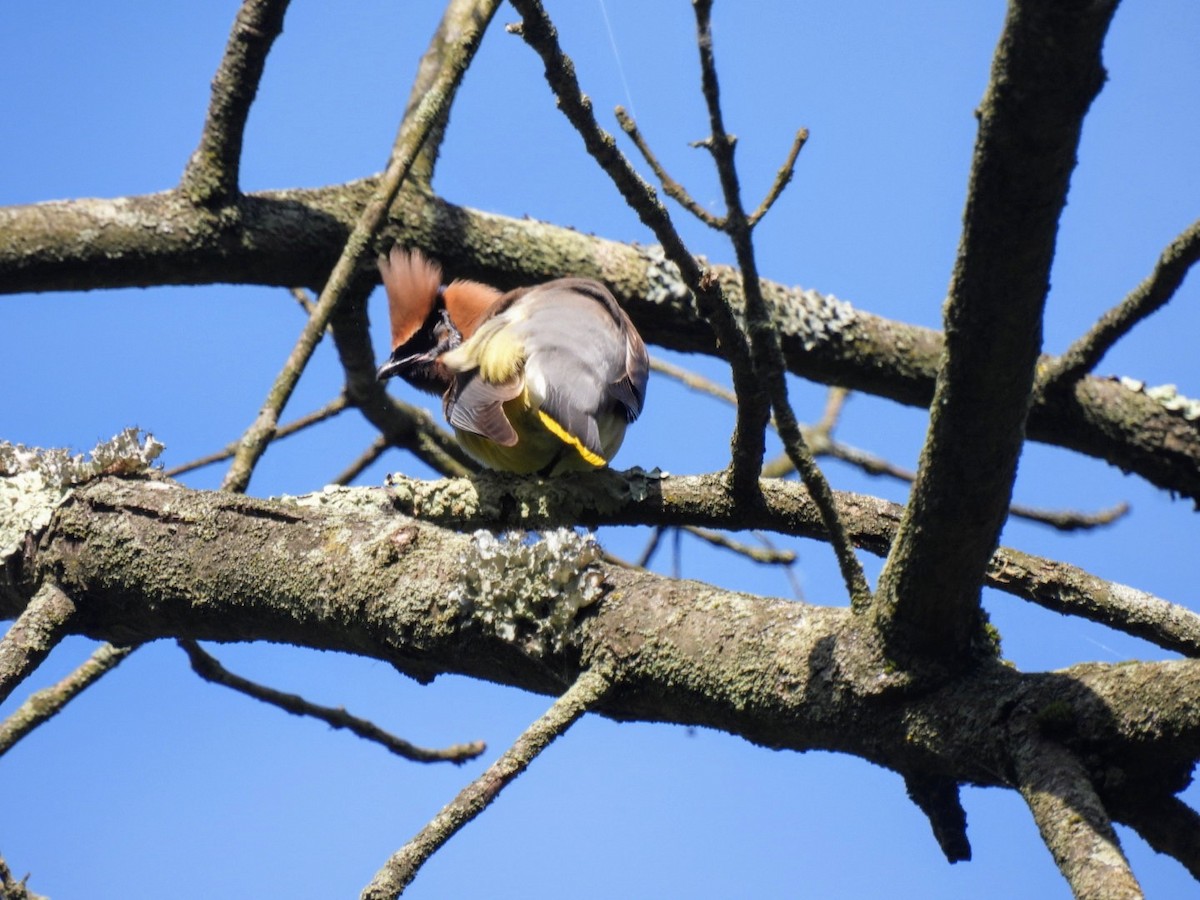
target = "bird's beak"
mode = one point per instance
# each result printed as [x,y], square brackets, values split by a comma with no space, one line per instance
[397,366]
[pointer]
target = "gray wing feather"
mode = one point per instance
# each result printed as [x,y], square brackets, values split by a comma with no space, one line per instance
[476,406]
[583,357]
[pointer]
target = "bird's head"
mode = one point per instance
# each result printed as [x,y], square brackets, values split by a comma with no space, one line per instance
[427,319]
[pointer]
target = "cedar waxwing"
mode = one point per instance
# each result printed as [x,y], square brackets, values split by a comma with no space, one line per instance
[541,379]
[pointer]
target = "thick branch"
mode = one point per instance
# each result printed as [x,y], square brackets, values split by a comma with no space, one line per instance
[1045,74]
[610,498]
[1166,823]
[344,571]
[290,237]
[1072,820]
[211,176]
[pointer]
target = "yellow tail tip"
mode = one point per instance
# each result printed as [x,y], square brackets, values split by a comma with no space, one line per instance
[593,459]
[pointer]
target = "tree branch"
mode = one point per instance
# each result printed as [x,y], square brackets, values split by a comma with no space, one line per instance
[670,186]
[208,668]
[1147,298]
[211,176]
[1045,73]
[290,237]
[588,690]
[764,342]
[151,559]
[11,888]
[1165,822]
[611,498]
[939,799]
[45,704]
[328,411]
[1072,820]
[37,631]
[459,17]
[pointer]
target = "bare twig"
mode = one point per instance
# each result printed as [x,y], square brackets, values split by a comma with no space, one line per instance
[1045,73]
[328,411]
[45,704]
[764,340]
[378,447]
[413,131]
[588,690]
[211,176]
[870,464]
[766,555]
[670,186]
[1147,298]
[540,34]
[208,668]
[651,547]
[782,178]
[36,632]
[1072,821]
[693,380]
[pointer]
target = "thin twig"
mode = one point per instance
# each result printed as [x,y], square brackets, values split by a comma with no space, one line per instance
[211,176]
[765,555]
[693,380]
[43,705]
[1072,820]
[378,447]
[208,668]
[1147,298]
[670,186]
[782,178]
[588,690]
[328,411]
[36,632]
[413,131]
[870,464]
[652,546]
[764,339]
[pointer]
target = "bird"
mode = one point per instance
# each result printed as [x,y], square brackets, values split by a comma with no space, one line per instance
[540,379]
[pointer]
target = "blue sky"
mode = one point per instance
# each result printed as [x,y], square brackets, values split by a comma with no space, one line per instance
[155,784]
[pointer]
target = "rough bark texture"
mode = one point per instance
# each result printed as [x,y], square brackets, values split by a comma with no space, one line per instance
[344,571]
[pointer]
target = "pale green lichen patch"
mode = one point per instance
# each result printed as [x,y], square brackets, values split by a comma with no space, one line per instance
[666,285]
[34,481]
[529,590]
